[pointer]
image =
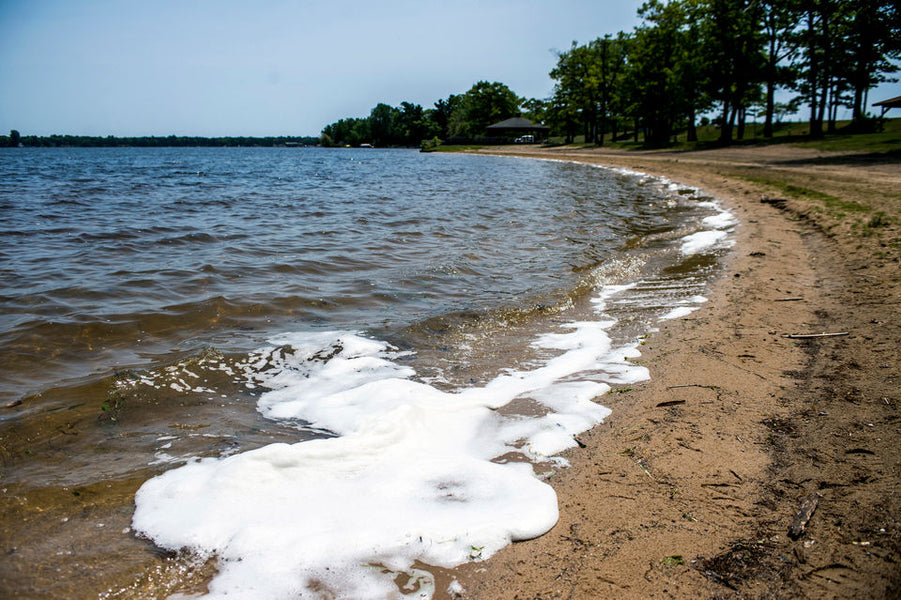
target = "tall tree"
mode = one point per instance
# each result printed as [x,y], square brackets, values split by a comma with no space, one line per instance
[657,95]
[780,19]
[733,49]
[413,126]
[535,110]
[816,63]
[611,56]
[382,124]
[442,112]
[578,82]
[874,39]
[484,104]
[689,69]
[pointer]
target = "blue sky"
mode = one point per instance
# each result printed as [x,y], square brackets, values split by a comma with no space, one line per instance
[272,67]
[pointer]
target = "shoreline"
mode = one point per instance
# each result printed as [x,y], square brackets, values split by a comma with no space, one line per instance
[688,489]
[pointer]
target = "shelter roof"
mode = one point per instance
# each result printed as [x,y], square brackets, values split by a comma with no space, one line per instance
[517,123]
[890,103]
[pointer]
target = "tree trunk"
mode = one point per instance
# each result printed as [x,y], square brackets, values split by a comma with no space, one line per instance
[857,112]
[864,55]
[692,128]
[726,125]
[771,71]
[821,115]
[813,76]
[816,127]
[770,107]
[833,108]
[827,73]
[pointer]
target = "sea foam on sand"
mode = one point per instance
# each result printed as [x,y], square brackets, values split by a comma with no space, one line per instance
[716,233]
[413,474]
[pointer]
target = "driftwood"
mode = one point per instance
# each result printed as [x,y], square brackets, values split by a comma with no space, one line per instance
[808,505]
[688,385]
[809,336]
[793,299]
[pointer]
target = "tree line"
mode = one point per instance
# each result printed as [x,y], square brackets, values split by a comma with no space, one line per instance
[86,141]
[729,58]
[688,60]
[460,116]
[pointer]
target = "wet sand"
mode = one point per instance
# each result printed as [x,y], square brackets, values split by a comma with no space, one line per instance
[689,489]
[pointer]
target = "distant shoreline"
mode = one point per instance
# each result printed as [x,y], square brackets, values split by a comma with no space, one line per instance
[171,141]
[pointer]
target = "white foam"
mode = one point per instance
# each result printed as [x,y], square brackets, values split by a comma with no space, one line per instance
[721,220]
[685,308]
[413,474]
[678,312]
[718,227]
[702,240]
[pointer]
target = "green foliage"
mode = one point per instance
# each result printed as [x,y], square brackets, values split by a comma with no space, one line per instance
[584,96]
[386,126]
[346,132]
[685,59]
[673,561]
[535,110]
[442,147]
[409,125]
[442,112]
[484,104]
[430,145]
[689,56]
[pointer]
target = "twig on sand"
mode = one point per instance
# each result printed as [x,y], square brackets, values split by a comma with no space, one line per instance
[793,299]
[670,403]
[642,466]
[810,336]
[808,505]
[686,385]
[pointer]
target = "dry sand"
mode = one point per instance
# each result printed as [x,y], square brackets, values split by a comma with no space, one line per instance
[689,489]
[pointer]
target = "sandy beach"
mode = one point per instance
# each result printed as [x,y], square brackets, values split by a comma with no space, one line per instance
[691,487]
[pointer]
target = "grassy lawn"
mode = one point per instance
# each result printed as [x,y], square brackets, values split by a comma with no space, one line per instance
[888,140]
[453,148]
[795,133]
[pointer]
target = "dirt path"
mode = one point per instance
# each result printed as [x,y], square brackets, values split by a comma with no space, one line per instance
[689,489]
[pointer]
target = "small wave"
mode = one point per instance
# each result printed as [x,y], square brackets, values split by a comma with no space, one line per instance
[69,201]
[188,239]
[120,235]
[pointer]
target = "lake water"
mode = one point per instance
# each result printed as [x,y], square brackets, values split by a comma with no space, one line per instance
[253,372]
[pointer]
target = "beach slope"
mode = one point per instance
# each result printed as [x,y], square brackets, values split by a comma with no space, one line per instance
[691,488]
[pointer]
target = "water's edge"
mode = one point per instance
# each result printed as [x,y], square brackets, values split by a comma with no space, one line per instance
[526,375]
